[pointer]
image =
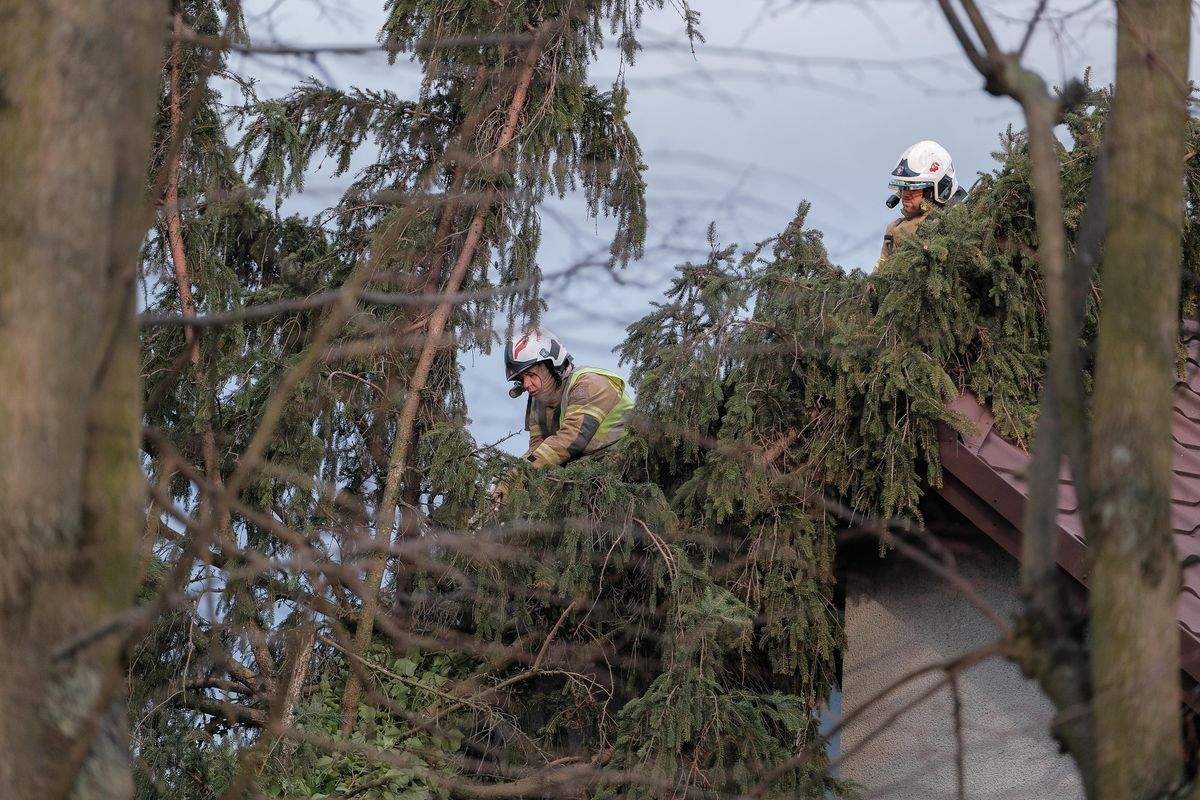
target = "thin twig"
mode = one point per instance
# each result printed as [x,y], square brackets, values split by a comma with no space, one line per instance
[537,662]
[1033,23]
[960,763]
[950,667]
[964,38]
[880,527]
[661,546]
[346,293]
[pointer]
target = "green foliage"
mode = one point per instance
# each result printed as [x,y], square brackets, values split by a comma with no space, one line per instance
[571,137]
[700,725]
[284,135]
[571,528]
[179,752]
[720,386]
[773,382]
[663,611]
[442,33]
[187,761]
[680,360]
[386,757]
[271,562]
[453,473]
[853,370]
[590,571]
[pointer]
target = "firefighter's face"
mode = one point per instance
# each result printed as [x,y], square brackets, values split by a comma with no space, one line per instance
[910,201]
[537,380]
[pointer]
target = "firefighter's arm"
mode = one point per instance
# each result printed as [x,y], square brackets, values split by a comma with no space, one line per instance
[592,397]
[535,430]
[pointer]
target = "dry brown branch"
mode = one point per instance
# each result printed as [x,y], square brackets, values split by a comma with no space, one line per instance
[231,712]
[960,744]
[319,301]
[663,549]
[171,195]
[406,422]
[777,448]
[300,655]
[545,648]
[886,528]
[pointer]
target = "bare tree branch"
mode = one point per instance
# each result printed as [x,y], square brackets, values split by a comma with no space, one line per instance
[964,38]
[949,668]
[884,529]
[267,310]
[960,745]
[1033,23]
[406,421]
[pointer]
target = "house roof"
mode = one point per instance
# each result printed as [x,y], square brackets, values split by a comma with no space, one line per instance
[984,480]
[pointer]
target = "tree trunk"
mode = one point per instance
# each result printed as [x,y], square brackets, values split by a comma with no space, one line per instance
[77,88]
[1134,570]
[406,424]
[187,305]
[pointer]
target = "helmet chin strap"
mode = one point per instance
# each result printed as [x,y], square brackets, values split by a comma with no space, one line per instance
[562,372]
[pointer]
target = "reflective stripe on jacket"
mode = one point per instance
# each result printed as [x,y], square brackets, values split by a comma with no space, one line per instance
[590,416]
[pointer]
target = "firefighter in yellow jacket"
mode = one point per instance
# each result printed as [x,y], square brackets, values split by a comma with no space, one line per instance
[922,180]
[572,411]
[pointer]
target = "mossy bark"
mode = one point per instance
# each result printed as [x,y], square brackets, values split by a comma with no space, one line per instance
[76,108]
[1134,570]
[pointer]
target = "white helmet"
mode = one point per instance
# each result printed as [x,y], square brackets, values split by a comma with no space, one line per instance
[535,347]
[926,165]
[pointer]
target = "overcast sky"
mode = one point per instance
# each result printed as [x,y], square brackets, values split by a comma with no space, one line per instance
[788,100]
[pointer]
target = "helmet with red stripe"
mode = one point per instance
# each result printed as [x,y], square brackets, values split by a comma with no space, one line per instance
[538,346]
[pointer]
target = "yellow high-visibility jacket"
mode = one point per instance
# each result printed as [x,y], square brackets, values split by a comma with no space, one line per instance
[589,416]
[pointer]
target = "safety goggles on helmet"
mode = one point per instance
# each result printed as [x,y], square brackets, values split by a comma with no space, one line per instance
[926,164]
[910,185]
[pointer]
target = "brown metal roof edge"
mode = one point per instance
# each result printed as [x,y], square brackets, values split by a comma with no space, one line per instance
[995,506]
[989,500]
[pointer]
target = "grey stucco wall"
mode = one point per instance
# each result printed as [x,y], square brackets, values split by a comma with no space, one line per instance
[898,618]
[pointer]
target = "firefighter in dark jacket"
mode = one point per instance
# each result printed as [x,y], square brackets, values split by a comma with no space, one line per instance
[922,180]
[572,411]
